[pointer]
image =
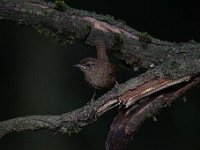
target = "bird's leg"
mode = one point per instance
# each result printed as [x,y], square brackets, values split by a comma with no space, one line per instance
[116,84]
[93,96]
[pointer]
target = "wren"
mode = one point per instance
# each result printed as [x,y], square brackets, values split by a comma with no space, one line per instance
[98,72]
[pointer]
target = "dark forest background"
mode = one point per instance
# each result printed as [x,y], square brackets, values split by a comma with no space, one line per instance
[37,77]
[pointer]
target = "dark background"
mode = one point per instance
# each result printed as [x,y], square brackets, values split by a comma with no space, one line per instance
[37,77]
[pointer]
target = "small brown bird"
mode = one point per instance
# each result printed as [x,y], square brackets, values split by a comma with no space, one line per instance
[98,72]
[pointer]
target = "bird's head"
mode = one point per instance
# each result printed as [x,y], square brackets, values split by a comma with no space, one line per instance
[88,65]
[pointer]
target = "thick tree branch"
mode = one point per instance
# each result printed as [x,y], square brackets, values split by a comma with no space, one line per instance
[135,48]
[167,63]
[75,120]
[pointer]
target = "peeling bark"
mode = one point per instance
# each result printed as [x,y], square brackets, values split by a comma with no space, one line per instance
[129,120]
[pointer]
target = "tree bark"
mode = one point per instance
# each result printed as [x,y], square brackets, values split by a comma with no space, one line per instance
[167,64]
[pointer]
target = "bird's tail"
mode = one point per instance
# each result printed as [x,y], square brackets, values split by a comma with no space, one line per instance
[101,50]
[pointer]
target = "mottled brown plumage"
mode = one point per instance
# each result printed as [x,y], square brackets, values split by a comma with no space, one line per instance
[98,72]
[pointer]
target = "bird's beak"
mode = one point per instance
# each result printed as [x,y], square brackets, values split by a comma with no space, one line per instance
[79,66]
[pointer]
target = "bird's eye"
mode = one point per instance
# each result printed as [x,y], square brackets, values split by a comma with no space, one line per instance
[88,65]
